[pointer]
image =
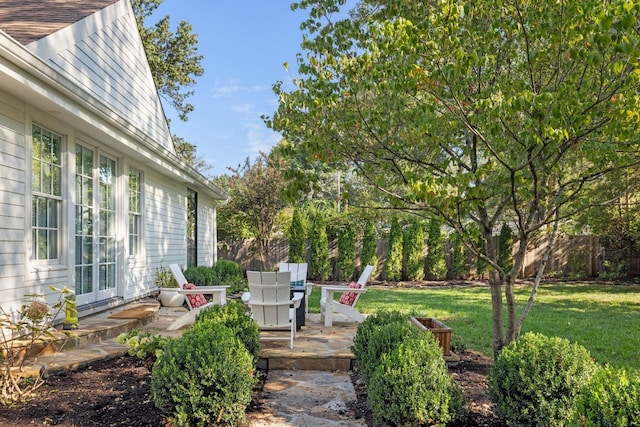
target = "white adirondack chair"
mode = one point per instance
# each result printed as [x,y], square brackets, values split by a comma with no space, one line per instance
[346,304]
[298,278]
[195,296]
[270,302]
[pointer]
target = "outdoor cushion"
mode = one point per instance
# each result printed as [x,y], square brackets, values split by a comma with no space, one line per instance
[347,298]
[297,283]
[196,300]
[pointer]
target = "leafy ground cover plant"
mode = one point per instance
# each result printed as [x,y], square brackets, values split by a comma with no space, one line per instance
[22,334]
[535,380]
[143,344]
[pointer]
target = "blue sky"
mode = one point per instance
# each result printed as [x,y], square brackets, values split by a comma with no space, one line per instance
[245,44]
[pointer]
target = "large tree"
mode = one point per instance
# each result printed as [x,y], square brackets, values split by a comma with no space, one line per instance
[476,113]
[255,201]
[173,56]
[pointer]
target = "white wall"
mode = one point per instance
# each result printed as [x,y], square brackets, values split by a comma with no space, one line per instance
[164,201]
[12,200]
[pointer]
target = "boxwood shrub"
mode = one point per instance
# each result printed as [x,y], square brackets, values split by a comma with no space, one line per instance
[411,386]
[377,334]
[536,378]
[204,378]
[610,399]
[234,316]
[201,276]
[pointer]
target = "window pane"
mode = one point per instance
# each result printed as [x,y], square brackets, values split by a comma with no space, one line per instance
[102,277]
[55,149]
[88,279]
[52,209]
[41,212]
[111,250]
[37,142]
[78,253]
[41,244]
[34,211]
[56,181]
[87,160]
[36,181]
[46,179]
[52,244]
[47,149]
[87,250]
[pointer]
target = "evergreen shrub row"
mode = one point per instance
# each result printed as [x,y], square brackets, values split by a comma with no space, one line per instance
[223,272]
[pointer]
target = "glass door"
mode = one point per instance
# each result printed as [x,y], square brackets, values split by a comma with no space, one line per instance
[95,234]
[107,229]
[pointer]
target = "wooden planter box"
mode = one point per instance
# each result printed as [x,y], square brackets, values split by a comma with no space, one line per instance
[441,331]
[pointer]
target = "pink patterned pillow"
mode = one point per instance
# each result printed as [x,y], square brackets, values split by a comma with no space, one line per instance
[195,300]
[347,298]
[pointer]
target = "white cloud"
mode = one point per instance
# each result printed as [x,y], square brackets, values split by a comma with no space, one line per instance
[244,108]
[234,86]
[259,139]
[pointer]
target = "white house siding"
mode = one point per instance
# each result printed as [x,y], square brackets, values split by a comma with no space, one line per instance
[12,199]
[164,222]
[207,252]
[97,92]
[99,53]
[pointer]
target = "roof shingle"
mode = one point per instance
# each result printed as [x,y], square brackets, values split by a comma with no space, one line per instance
[30,20]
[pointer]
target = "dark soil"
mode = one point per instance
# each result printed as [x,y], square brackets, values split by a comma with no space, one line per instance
[117,392]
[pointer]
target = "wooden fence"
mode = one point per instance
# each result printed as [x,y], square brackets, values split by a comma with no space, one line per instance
[577,256]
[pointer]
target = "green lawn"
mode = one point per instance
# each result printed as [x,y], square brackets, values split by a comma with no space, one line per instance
[603,318]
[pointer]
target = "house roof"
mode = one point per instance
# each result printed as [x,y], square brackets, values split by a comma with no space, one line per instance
[82,61]
[30,20]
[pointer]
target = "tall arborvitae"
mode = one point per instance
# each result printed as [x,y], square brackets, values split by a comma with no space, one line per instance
[369,255]
[414,250]
[505,250]
[459,267]
[393,261]
[319,265]
[297,239]
[436,264]
[346,261]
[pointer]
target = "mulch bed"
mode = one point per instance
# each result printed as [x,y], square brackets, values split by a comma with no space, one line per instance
[117,392]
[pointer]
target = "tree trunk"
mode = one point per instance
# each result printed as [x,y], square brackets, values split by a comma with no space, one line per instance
[541,268]
[496,312]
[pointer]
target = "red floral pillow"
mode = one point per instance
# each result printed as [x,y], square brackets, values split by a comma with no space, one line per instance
[347,298]
[195,300]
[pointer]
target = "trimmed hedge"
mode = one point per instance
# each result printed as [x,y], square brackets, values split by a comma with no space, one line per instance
[363,349]
[610,399]
[205,377]
[411,386]
[234,315]
[536,378]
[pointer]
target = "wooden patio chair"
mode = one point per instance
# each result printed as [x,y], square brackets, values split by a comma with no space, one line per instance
[195,297]
[270,302]
[345,305]
[298,279]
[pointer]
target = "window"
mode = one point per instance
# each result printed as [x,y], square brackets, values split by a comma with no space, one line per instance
[192,228]
[46,193]
[135,217]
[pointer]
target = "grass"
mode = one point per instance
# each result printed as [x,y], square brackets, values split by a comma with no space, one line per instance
[605,319]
